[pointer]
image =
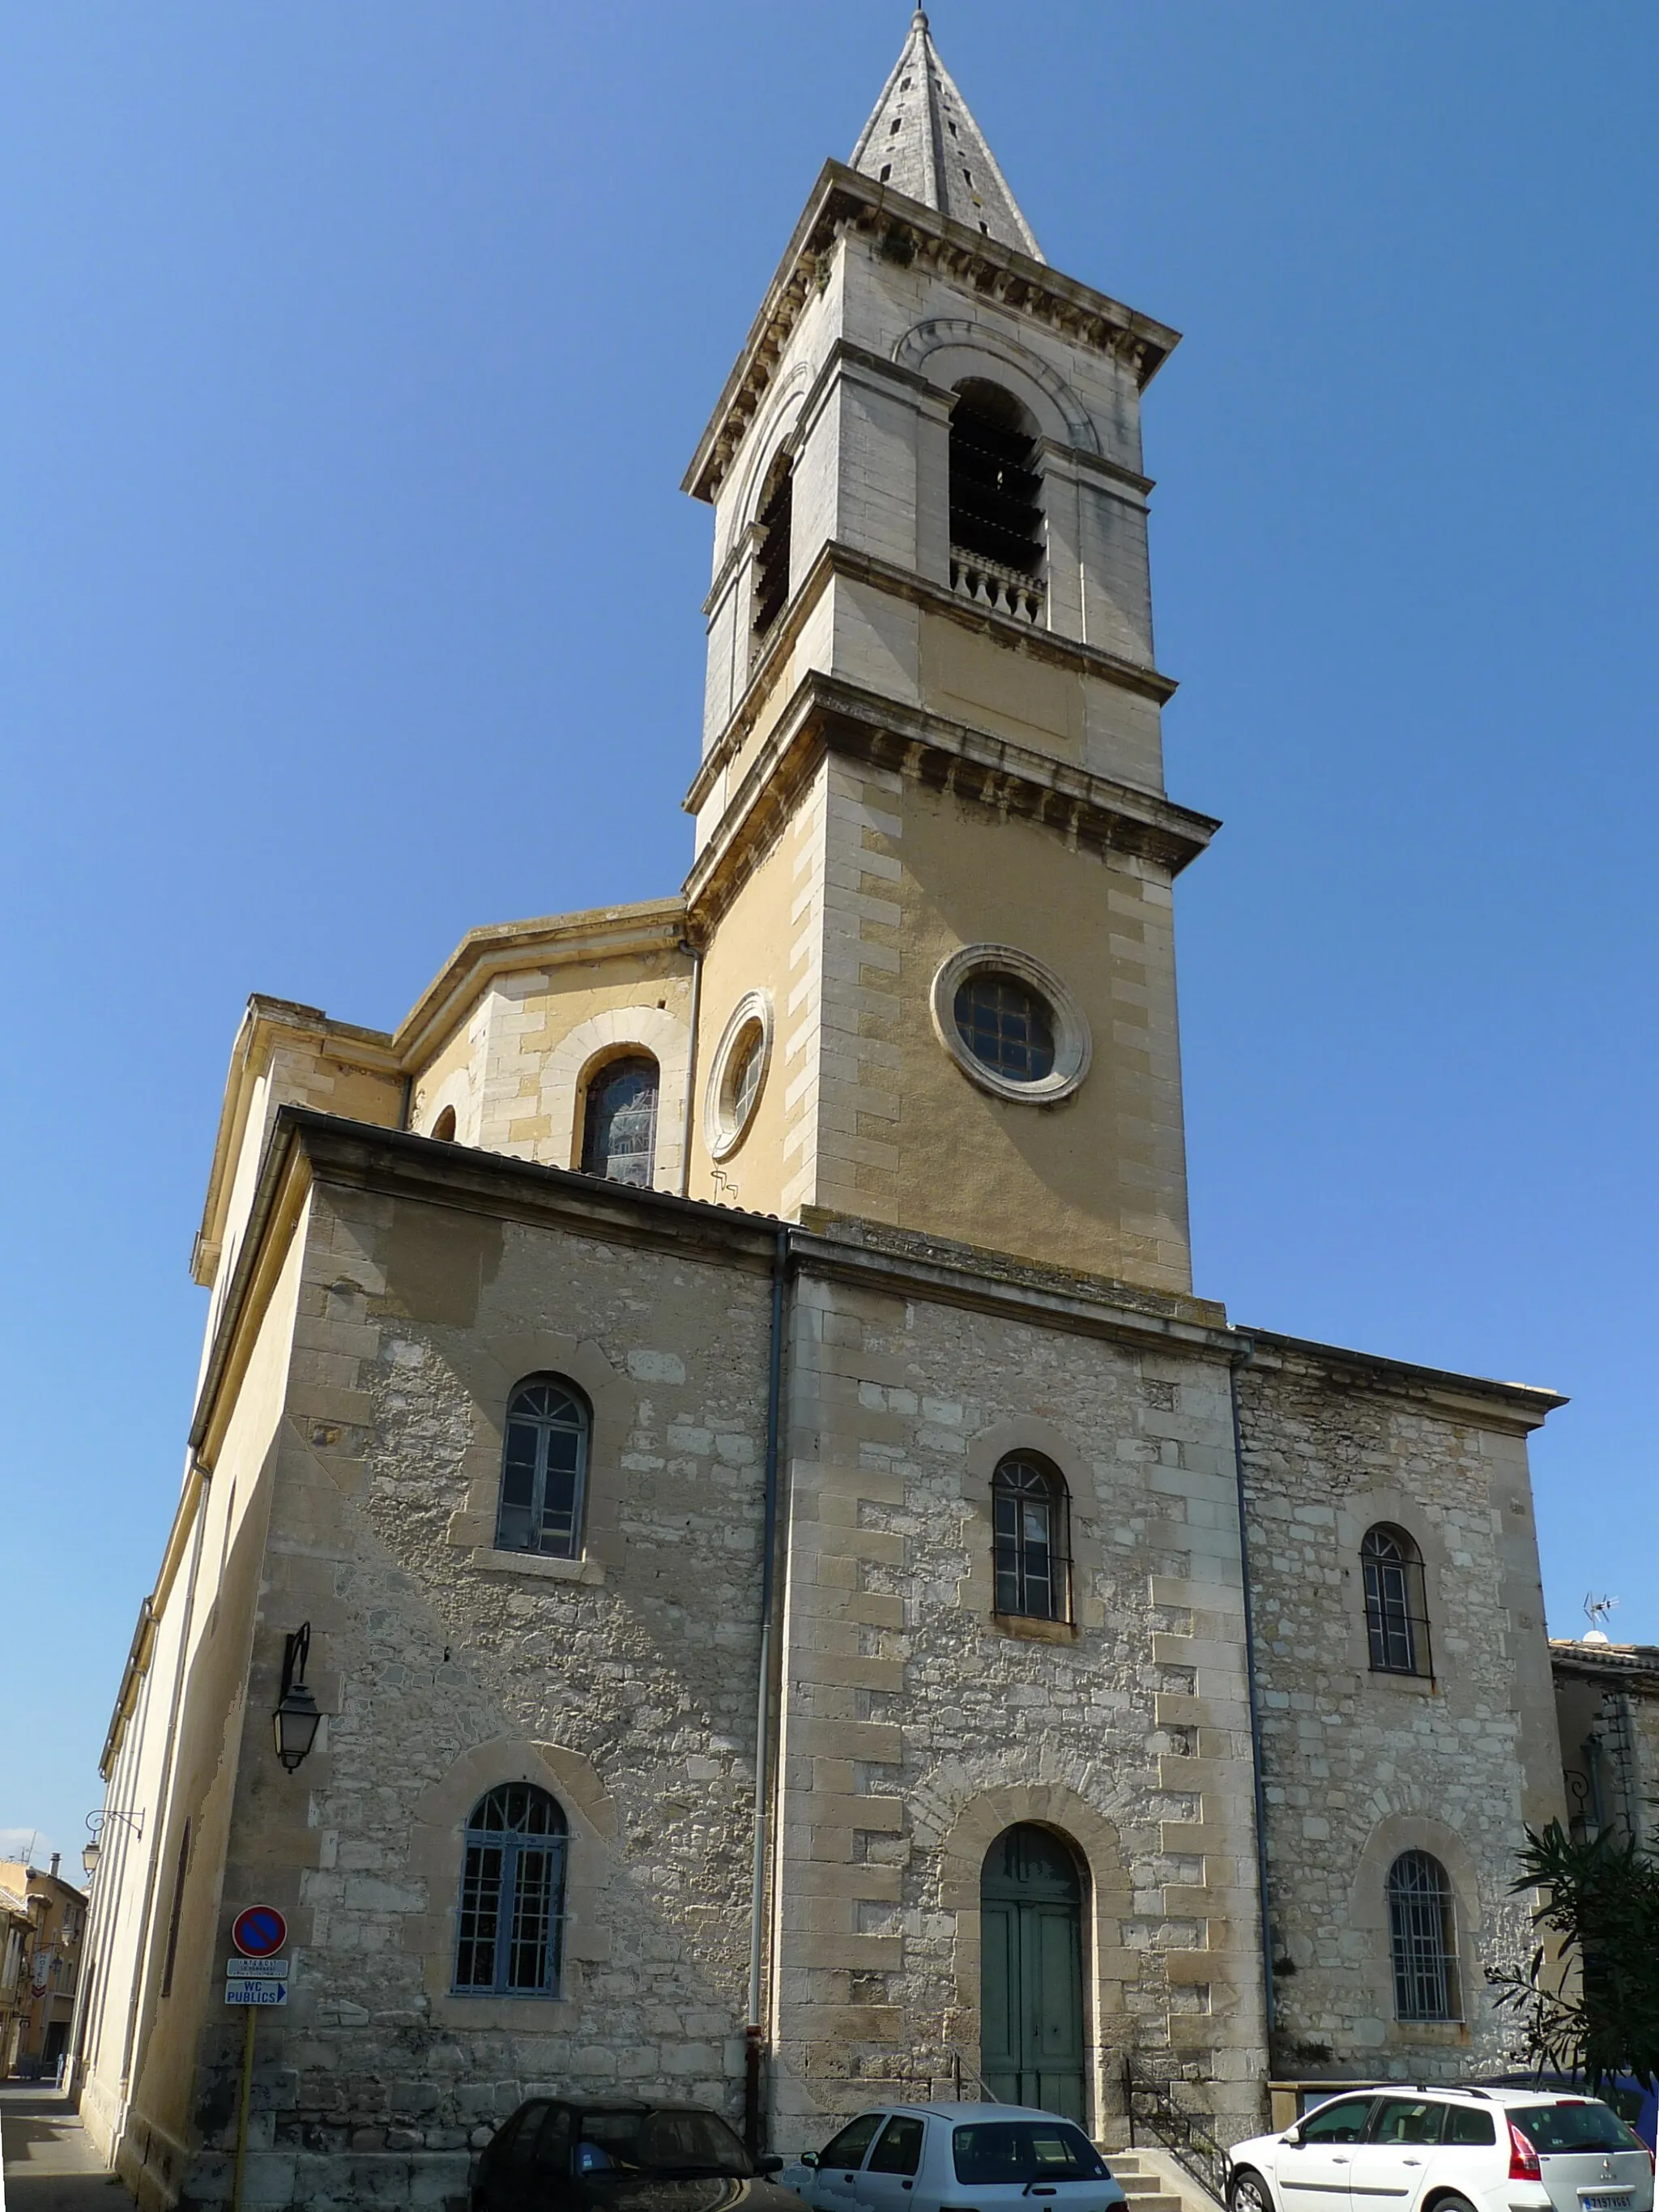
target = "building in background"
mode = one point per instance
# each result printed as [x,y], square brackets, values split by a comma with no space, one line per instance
[1607,1699]
[43,2011]
[16,1950]
[804,1600]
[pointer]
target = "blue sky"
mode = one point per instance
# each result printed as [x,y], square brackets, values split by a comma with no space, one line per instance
[352,359]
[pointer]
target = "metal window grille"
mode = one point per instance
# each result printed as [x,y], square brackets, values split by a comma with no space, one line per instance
[1422,1937]
[510,1926]
[1005,1025]
[619,1127]
[1031,1539]
[1396,1617]
[543,1469]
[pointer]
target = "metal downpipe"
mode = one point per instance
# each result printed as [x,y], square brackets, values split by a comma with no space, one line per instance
[753,2030]
[1243,1358]
[688,1121]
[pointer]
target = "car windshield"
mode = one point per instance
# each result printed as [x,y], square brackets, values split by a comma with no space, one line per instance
[1552,2129]
[658,2142]
[989,2151]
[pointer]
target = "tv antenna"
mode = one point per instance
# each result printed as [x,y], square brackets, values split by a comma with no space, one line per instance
[1596,1612]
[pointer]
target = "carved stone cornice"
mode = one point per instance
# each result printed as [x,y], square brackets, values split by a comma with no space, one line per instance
[1087,811]
[844,201]
[846,562]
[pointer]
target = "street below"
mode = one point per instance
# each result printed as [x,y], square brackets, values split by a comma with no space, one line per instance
[49,2164]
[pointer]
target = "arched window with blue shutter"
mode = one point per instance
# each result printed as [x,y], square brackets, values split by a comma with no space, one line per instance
[543,1469]
[509,1930]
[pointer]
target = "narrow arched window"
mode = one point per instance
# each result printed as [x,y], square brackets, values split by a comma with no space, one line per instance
[996,514]
[512,1908]
[1423,1939]
[1030,1537]
[619,1122]
[444,1127]
[774,523]
[543,1469]
[1396,1620]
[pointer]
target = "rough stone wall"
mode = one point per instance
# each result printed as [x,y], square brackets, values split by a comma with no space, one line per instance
[624,1682]
[1645,1729]
[916,1727]
[1359,1765]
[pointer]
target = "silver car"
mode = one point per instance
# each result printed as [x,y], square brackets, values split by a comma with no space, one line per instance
[956,2158]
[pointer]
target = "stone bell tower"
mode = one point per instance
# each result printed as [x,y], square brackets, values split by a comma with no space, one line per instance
[933,851]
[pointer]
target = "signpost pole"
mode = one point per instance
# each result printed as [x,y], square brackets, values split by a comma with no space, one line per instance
[250,2012]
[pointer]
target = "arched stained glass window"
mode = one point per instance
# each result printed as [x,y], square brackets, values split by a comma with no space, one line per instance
[512,1907]
[1422,1937]
[619,1126]
[543,1469]
[1030,1537]
[1396,1619]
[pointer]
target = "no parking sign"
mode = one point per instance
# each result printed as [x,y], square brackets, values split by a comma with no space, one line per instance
[259,1932]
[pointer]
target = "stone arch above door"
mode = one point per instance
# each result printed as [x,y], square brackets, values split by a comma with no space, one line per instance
[964,1841]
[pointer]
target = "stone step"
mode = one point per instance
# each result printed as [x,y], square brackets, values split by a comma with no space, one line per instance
[1155,2182]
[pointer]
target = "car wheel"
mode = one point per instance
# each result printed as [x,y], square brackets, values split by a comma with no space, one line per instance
[1247,2192]
[1453,2204]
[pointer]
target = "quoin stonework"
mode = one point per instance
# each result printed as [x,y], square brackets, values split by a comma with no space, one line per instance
[804,1599]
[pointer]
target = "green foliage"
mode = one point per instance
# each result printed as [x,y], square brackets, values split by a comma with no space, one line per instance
[1589,2005]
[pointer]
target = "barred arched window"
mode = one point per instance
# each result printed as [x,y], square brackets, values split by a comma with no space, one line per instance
[1423,1939]
[1396,1619]
[619,1121]
[995,511]
[1031,1538]
[775,521]
[543,1468]
[511,1909]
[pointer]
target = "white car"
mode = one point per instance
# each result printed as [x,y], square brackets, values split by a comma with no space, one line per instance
[956,2158]
[1447,2150]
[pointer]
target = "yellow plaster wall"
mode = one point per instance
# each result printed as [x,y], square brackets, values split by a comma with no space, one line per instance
[1098,1181]
[452,1057]
[770,918]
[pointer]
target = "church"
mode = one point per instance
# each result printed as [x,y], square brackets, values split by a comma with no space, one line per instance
[721,1551]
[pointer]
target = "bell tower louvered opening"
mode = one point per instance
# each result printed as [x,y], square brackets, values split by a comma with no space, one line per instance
[995,510]
[772,555]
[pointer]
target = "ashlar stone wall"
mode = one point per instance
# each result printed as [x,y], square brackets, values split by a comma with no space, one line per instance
[624,1682]
[917,1725]
[1360,1766]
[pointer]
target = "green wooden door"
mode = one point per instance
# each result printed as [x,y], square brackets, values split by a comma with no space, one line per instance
[1031,2047]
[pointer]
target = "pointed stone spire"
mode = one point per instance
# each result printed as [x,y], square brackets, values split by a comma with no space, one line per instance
[922,141]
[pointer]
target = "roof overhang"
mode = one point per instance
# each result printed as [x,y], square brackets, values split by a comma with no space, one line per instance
[842,200]
[552,941]
[608,932]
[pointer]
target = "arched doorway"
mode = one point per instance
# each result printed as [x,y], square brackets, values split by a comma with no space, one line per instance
[1031,2046]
